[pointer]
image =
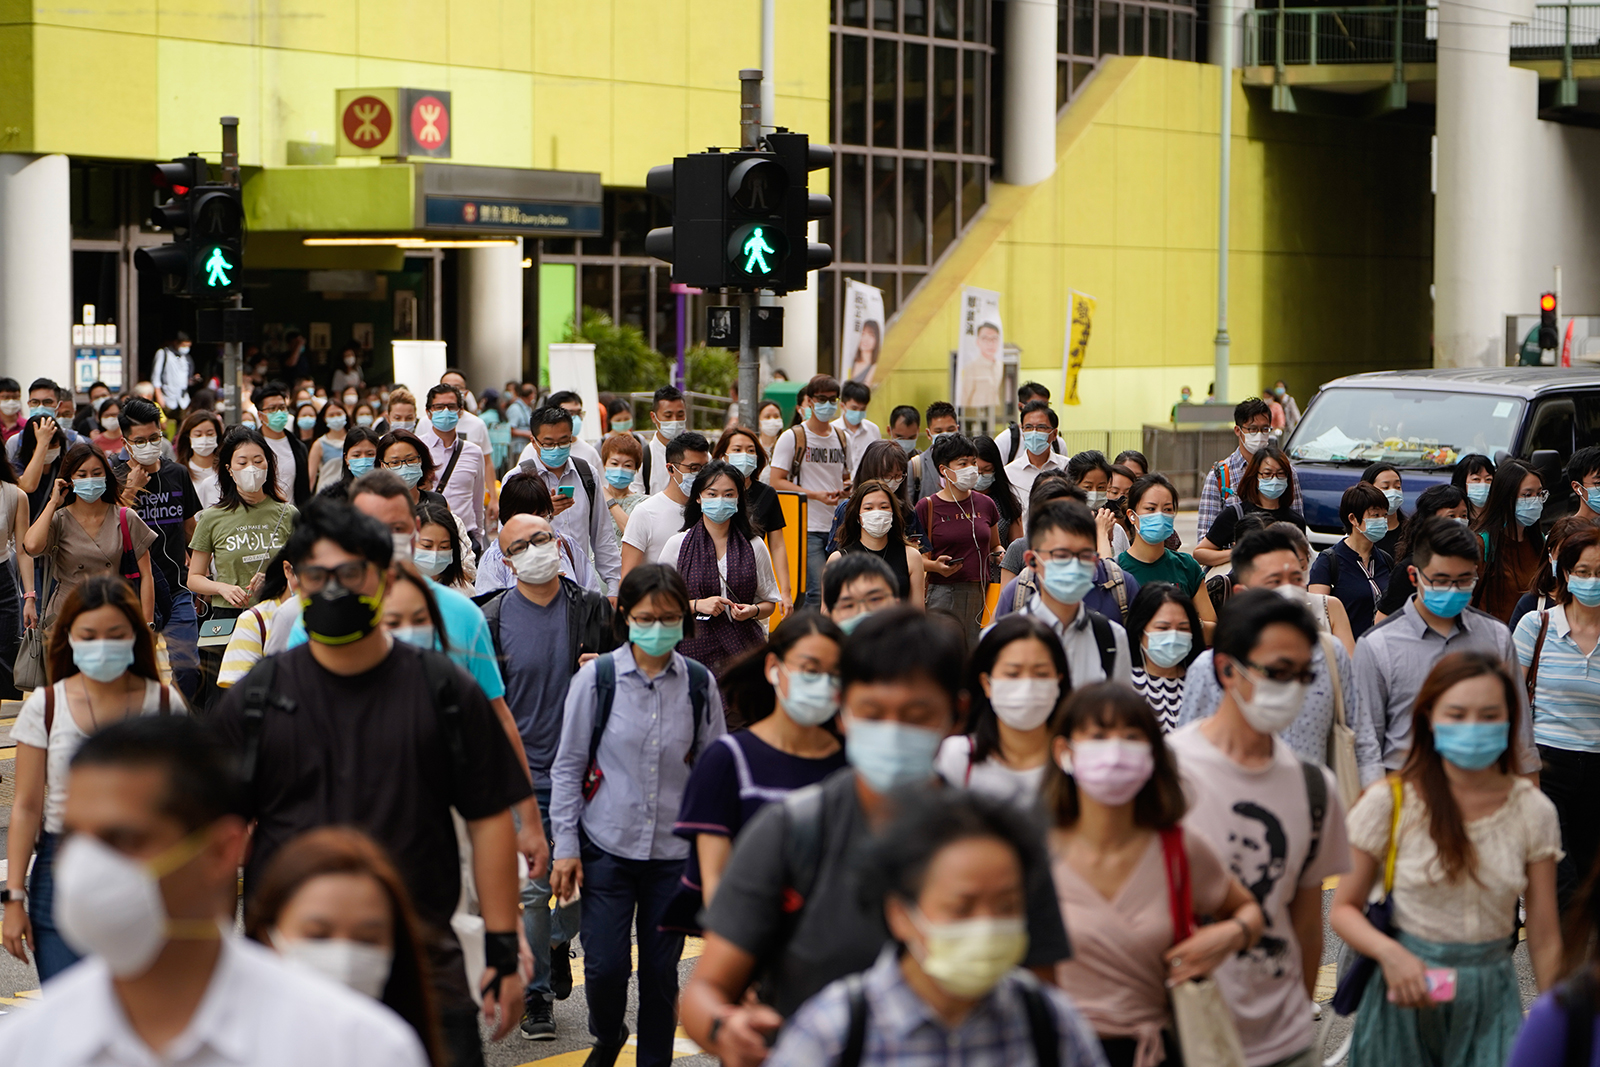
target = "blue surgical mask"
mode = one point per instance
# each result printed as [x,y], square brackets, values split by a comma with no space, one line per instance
[619,477]
[411,474]
[1395,498]
[890,755]
[1273,488]
[743,462]
[1155,528]
[1167,648]
[984,482]
[89,489]
[360,465]
[1478,493]
[1376,529]
[854,415]
[849,625]
[577,425]
[1585,591]
[555,458]
[1472,746]
[1068,580]
[337,422]
[825,410]
[813,697]
[907,445]
[430,561]
[719,509]
[655,639]
[104,660]
[1035,441]
[444,419]
[1529,508]
[420,636]
[621,425]
[363,420]
[1591,497]
[45,409]
[1445,603]
[306,422]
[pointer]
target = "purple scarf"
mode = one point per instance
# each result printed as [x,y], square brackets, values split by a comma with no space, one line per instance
[718,639]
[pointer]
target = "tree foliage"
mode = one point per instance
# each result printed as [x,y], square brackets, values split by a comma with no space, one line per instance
[624,362]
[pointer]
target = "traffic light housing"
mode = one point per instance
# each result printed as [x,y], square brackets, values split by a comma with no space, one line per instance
[1549,337]
[206,220]
[799,158]
[692,187]
[176,182]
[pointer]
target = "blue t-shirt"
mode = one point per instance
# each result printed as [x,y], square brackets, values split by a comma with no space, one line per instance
[1358,593]
[471,644]
[538,671]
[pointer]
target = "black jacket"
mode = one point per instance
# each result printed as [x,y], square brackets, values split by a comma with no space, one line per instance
[302,478]
[589,626]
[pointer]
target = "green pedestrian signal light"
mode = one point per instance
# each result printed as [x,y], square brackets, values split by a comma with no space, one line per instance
[757,251]
[218,269]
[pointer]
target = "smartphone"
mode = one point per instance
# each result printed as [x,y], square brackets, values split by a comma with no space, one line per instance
[567,490]
[1441,984]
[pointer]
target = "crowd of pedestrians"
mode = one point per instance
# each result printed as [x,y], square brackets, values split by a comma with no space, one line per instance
[1013,775]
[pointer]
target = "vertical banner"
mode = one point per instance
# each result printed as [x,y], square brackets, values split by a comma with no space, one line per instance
[1076,346]
[979,369]
[862,340]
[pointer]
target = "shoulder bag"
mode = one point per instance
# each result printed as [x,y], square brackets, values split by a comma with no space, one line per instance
[1341,738]
[1206,1031]
[28,670]
[1380,913]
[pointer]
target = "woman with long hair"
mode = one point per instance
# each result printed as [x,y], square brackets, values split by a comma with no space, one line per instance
[1091,473]
[1017,678]
[439,550]
[769,426]
[247,645]
[1471,836]
[875,523]
[993,483]
[1541,596]
[101,661]
[726,566]
[38,461]
[196,450]
[360,456]
[886,462]
[1164,638]
[326,452]
[866,357]
[1267,486]
[411,611]
[1116,805]
[783,695]
[83,532]
[332,901]
[1436,501]
[1474,475]
[741,447]
[1513,546]
[1152,505]
[106,434]
[305,421]
[404,453]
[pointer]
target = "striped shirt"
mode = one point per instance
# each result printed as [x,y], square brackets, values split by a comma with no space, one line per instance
[244,649]
[1566,696]
[1164,695]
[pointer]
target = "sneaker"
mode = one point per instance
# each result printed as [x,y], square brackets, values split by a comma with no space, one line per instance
[538,1023]
[561,970]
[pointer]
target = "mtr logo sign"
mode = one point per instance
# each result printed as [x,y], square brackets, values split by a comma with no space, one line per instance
[394,123]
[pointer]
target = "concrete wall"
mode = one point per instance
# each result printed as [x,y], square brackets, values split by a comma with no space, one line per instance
[613,86]
[1557,204]
[1331,261]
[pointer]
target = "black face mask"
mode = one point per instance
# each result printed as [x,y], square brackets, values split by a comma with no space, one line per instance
[336,616]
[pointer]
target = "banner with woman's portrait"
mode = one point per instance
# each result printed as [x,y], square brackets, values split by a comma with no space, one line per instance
[862,340]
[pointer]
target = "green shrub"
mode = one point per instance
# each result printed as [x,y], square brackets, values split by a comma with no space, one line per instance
[624,362]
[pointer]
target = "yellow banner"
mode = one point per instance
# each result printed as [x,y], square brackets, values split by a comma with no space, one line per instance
[1077,343]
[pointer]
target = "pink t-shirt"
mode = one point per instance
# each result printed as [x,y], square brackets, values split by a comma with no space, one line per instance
[1116,976]
[1259,821]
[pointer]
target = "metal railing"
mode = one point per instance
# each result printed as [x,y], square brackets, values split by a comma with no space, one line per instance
[707,411]
[1313,36]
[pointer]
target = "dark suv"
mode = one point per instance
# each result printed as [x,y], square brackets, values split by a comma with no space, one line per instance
[1422,421]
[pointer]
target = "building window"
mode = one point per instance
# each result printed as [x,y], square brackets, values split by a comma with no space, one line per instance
[910,129]
[1089,29]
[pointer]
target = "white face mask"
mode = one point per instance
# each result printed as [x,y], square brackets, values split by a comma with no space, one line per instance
[964,478]
[1097,499]
[145,453]
[109,423]
[11,407]
[1255,442]
[363,968]
[203,446]
[50,454]
[250,479]
[110,905]
[1024,703]
[537,564]
[1275,705]
[877,523]
[769,427]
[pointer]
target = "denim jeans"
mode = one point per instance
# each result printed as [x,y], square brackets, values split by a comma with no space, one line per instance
[183,653]
[615,890]
[51,954]
[816,562]
[545,928]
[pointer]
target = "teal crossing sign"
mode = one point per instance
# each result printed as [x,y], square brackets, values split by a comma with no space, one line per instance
[217,268]
[756,252]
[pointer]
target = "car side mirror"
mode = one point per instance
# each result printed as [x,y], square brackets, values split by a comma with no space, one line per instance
[1547,461]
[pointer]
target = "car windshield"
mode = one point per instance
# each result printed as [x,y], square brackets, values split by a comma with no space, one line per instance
[1406,427]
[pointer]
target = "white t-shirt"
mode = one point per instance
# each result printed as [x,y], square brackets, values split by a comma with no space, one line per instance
[65,737]
[205,485]
[991,777]
[766,581]
[652,524]
[1259,822]
[823,471]
[284,455]
[858,437]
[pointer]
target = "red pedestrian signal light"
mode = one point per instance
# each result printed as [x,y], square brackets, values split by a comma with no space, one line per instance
[1547,302]
[1548,336]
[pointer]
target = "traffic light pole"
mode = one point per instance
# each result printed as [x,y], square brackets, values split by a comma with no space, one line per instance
[749,356]
[232,351]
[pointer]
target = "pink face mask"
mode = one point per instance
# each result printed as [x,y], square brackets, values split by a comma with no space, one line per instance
[1111,771]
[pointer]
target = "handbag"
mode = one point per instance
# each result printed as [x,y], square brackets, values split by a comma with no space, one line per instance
[1341,738]
[28,669]
[1207,1035]
[1380,913]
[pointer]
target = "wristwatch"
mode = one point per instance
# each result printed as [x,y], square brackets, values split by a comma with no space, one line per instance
[9,895]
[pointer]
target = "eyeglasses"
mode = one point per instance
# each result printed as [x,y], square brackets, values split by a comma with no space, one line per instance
[444,407]
[689,468]
[1089,557]
[1542,496]
[269,410]
[313,578]
[538,540]
[396,464]
[1305,675]
[873,601]
[154,438]
[1465,585]
[675,619]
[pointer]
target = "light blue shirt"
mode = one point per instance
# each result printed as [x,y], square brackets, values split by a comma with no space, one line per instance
[1566,695]
[471,644]
[641,757]
[494,575]
[583,523]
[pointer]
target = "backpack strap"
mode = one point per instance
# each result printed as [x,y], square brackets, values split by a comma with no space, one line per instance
[699,682]
[1332,559]
[1532,681]
[1117,586]
[49,710]
[1041,1024]
[586,476]
[1022,589]
[605,694]
[258,695]
[1105,639]
[802,845]
[450,468]
[1317,797]
[855,1036]
[1224,479]
[1016,439]
[440,672]
[644,471]
[799,452]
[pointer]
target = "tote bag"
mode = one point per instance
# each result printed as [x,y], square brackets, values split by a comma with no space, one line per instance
[1206,1032]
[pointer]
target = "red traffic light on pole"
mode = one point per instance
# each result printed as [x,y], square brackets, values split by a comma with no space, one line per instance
[1548,335]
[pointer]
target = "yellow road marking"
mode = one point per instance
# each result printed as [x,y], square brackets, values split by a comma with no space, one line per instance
[1327,979]
[682,1046]
[1330,882]
[692,948]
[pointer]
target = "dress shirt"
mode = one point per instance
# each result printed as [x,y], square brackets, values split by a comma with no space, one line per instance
[1393,660]
[494,575]
[584,523]
[1077,640]
[464,493]
[858,437]
[258,1011]
[1212,497]
[1022,474]
[903,1031]
[641,760]
[471,426]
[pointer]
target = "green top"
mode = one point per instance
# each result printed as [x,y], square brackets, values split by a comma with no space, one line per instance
[241,540]
[1176,567]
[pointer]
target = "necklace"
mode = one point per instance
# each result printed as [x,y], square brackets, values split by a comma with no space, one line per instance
[94,720]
